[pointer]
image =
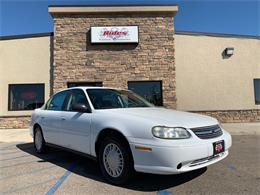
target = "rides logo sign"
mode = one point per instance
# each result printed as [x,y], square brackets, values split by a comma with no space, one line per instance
[114,34]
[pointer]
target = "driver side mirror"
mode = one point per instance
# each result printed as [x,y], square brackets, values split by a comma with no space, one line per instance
[81,108]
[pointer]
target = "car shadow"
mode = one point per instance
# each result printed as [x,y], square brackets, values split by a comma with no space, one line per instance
[89,168]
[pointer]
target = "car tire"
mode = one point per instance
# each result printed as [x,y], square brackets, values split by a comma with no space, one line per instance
[115,160]
[38,140]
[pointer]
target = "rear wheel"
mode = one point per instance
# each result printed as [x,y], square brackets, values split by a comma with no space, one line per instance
[39,142]
[115,160]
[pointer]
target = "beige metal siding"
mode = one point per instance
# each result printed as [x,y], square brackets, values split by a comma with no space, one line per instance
[206,81]
[25,60]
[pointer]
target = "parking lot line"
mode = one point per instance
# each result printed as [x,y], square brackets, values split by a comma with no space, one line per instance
[67,173]
[232,167]
[164,192]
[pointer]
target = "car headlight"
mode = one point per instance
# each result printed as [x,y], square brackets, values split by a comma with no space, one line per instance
[170,132]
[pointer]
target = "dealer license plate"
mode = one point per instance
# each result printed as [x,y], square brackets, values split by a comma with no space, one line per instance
[218,147]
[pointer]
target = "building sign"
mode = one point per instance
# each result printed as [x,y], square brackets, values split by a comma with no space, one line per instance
[114,34]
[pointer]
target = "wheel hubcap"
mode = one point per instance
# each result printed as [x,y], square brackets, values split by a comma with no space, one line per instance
[113,160]
[38,140]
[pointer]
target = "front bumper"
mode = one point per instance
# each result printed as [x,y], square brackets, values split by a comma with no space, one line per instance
[165,155]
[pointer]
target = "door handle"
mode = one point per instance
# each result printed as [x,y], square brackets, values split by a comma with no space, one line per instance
[63,118]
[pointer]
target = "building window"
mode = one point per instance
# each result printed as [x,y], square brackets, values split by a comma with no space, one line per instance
[25,96]
[257,91]
[150,90]
[77,84]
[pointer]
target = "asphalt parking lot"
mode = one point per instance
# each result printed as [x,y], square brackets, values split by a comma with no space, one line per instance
[25,172]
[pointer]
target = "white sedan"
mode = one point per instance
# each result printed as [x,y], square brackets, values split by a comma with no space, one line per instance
[125,133]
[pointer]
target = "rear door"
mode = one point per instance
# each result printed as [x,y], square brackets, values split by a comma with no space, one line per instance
[51,118]
[76,126]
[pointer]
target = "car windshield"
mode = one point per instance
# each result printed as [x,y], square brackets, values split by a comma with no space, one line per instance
[111,98]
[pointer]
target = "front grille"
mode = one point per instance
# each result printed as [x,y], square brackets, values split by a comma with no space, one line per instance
[208,132]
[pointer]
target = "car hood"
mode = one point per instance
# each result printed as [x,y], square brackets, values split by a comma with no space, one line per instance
[166,117]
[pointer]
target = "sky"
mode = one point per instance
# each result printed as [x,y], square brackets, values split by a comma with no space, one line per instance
[241,17]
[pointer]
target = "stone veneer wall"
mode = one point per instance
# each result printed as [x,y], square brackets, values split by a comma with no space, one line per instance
[15,122]
[75,59]
[234,116]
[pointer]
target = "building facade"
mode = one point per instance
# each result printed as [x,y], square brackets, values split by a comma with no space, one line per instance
[187,71]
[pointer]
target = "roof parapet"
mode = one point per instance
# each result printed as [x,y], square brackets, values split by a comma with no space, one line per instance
[114,9]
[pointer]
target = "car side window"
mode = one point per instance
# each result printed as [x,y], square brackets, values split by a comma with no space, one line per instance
[77,96]
[47,104]
[57,101]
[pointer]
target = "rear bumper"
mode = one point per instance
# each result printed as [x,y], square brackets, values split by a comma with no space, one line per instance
[164,158]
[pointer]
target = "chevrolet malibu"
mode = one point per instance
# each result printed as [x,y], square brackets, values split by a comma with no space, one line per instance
[125,133]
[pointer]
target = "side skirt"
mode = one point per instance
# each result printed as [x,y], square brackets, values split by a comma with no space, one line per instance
[73,151]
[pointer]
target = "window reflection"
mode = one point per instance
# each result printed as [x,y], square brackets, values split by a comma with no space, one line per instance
[25,96]
[150,90]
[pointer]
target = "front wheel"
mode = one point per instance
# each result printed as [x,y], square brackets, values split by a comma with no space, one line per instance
[39,142]
[115,160]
